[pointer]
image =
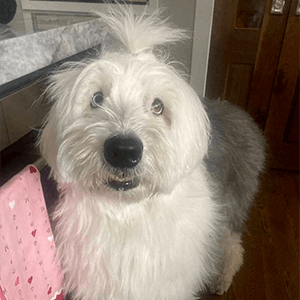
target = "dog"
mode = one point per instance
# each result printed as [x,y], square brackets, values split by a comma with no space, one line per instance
[155,183]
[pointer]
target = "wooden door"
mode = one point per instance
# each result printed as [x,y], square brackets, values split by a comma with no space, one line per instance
[282,124]
[245,54]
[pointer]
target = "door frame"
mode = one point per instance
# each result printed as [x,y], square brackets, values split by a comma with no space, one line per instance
[201,44]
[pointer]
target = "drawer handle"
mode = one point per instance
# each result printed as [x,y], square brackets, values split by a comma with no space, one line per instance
[277,7]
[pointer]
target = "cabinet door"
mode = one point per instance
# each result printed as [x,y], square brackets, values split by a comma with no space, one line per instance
[282,124]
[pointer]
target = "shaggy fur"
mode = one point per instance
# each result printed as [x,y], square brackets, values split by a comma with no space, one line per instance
[169,223]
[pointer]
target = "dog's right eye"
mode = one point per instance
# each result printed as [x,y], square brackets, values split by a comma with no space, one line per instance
[157,107]
[97,99]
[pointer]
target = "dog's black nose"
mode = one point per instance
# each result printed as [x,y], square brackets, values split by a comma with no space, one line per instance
[123,151]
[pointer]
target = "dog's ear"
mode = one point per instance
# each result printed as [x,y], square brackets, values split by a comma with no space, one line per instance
[61,83]
[142,32]
[59,92]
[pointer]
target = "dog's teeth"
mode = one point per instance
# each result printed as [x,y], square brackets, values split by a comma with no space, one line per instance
[123,184]
[120,179]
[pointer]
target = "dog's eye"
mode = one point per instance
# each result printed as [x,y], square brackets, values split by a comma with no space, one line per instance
[157,107]
[97,99]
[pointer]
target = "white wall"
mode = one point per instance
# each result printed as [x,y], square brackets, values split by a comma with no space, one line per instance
[196,17]
[182,14]
[201,44]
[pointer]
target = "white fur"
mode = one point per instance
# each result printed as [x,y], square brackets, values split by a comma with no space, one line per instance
[233,251]
[154,249]
[156,241]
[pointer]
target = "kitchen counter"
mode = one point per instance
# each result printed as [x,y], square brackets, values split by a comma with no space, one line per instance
[22,55]
[28,52]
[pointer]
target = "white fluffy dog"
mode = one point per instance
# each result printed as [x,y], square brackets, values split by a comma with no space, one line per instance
[155,184]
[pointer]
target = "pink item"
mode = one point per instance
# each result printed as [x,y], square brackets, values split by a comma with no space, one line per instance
[29,268]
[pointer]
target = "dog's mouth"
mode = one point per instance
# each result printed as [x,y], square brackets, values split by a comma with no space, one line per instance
[123,184]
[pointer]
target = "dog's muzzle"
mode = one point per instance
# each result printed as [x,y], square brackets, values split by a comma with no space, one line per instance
[123,153]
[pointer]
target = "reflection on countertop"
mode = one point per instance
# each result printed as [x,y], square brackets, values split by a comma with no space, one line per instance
[27,22]
[25,54]
[33,40]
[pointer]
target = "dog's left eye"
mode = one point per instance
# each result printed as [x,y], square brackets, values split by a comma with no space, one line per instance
[97,99]
[157,106]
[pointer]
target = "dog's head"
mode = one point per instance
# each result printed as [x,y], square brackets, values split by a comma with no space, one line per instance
[126,122]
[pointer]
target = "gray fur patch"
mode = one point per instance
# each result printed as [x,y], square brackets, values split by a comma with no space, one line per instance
[235,159]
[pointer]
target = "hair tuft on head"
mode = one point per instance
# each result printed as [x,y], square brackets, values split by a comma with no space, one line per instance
[142,32]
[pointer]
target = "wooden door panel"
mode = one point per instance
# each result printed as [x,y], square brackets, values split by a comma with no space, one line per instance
[269,48]
[282,126]
[235,39]
[243,45]
[249,14]
[291,134]
[239,82]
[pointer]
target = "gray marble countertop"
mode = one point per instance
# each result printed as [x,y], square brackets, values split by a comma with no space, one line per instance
[24,54]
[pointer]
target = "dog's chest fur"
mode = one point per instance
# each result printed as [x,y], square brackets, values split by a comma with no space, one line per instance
[161,242]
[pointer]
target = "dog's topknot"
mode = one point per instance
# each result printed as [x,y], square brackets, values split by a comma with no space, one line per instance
[142,32]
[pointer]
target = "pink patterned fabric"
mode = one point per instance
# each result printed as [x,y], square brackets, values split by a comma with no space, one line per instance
[29,268]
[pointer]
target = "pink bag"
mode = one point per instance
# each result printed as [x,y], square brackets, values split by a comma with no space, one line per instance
[29,268]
